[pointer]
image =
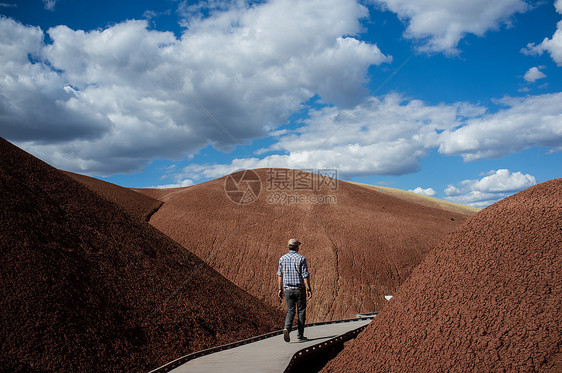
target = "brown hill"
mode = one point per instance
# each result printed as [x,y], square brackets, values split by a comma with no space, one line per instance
[488,299]
[86,287]
[136,204]
[360,244]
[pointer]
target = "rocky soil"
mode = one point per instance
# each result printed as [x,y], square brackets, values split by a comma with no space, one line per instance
[85,286]
[134,203]
[487,299]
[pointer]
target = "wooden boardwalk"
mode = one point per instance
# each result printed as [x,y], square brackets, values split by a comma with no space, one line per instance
[271,354]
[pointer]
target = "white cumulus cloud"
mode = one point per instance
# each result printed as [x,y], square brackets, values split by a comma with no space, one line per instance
[524,123]
[385,136]
[424,192]
[490,188]
[180,184]
[534,74]
[552,45]
[50,4]
[108,101]
[390,135]
[440,24]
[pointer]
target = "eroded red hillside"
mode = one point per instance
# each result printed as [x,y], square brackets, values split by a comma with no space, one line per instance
[488,299]
[136,204]
[84,286]
[360,244]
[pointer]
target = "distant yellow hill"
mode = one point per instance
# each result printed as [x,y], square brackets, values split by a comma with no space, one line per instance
[423,200]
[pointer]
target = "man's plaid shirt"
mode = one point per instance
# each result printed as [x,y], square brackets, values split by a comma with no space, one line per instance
[293,269]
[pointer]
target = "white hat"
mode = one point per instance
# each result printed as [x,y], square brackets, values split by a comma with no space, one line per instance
[294,242]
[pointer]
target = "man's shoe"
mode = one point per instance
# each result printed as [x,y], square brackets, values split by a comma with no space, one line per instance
[302,338]
[286,335]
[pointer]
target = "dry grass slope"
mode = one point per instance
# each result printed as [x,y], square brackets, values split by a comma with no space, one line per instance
[423,200]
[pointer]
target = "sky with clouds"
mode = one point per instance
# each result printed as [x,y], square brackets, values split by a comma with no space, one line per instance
[460,100]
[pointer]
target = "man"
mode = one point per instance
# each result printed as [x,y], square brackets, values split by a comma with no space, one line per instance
[293,281]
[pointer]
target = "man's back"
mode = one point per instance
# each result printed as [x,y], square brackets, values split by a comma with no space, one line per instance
[293,268]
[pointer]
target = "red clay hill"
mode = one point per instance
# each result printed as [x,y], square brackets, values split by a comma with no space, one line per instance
[136,204]
[87,287]
[361,244]
[487,299]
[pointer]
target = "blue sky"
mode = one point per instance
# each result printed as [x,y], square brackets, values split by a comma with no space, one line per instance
[458,100]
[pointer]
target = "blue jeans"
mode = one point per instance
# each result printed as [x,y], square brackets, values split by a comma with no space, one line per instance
[295,297]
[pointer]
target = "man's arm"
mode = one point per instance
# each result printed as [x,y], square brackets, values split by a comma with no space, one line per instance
[306,277]
[308,286]
[280,286]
